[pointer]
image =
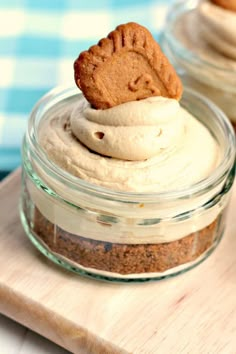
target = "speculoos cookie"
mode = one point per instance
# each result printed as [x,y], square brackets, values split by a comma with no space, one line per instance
[126,66]
[226,4]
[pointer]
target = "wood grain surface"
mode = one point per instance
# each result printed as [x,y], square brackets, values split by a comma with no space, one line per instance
[192,313]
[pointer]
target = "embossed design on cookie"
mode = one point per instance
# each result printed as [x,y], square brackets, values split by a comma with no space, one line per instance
[226,4]
[127,65]
[144,82]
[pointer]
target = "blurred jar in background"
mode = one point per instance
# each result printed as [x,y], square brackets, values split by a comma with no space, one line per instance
[200,40]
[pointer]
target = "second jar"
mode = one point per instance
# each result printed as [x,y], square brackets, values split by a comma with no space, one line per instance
[200,40]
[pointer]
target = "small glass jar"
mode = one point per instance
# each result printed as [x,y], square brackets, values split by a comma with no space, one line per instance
[123,236]
[211,78]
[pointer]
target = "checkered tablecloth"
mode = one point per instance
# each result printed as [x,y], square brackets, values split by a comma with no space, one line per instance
[39,41]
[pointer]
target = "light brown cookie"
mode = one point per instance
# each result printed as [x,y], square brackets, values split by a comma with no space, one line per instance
[226,4]
[128,65]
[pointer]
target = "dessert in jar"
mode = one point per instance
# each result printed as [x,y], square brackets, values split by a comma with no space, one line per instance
[126,181]
[200,40]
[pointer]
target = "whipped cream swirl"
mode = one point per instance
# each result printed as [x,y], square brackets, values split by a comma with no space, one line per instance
[132,131]
[180,151]
[218,27]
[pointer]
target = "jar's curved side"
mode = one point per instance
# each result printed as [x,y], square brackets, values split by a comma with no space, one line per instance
[121,260]
[107,275]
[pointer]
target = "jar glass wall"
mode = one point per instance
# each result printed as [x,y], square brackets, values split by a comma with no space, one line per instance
[124,236]
[205,73]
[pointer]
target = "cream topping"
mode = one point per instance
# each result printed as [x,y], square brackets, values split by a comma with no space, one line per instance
[196,41]
[218,26]
[180,163]
[135,130]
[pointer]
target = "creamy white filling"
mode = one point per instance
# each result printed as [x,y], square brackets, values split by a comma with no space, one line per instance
[181,161]
[133,131]
[129,228]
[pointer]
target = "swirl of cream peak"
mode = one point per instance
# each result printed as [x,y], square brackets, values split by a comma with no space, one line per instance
[218,27]
[132,131]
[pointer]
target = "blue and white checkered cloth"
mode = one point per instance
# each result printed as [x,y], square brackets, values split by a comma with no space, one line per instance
[39,41]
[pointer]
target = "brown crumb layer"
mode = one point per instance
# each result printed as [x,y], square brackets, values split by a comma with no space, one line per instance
[125,258]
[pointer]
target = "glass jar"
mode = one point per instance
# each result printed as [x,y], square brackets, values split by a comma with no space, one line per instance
[123,236]
[209,77]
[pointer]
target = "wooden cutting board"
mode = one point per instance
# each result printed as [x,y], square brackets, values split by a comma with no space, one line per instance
[192,313]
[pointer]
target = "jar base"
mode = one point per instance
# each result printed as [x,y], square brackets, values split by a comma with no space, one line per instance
[105,276]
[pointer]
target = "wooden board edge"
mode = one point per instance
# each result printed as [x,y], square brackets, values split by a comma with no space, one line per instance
[52,326]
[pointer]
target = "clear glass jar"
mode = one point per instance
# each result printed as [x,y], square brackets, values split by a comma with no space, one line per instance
[211,78]
[123,236]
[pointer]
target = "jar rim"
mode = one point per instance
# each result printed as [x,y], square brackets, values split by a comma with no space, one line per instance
[176,10]
[60,93]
